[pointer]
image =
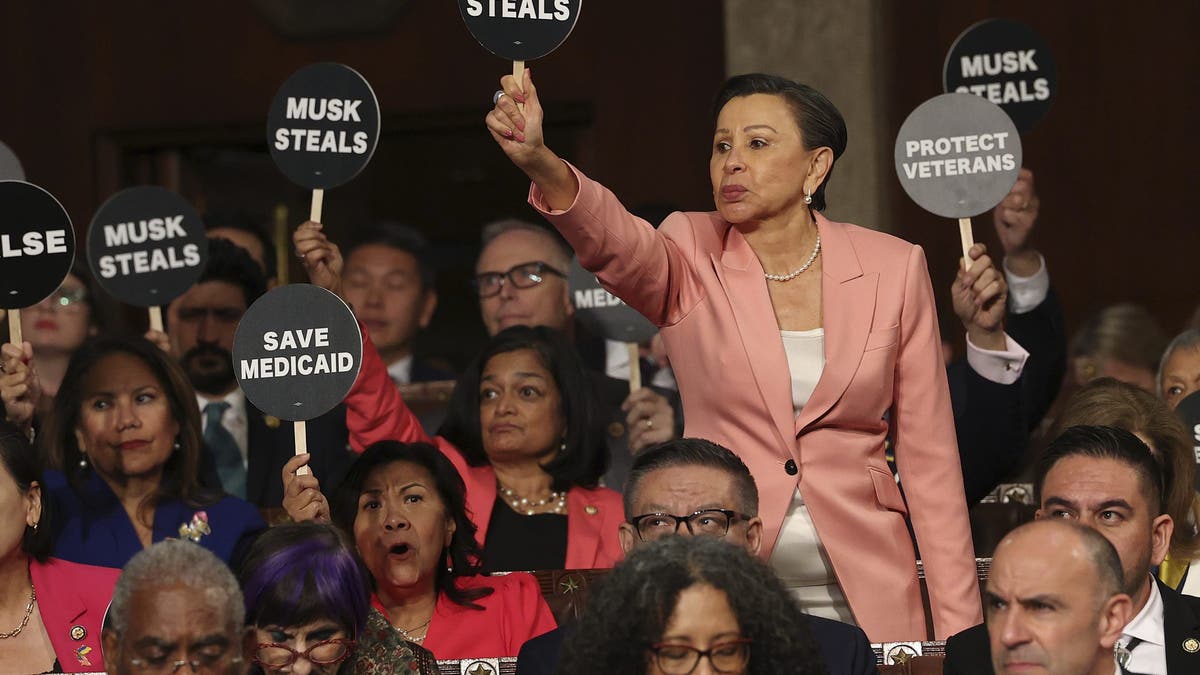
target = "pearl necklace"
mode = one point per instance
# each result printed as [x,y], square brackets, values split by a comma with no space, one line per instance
[28,613]
[524,505]
[792,275]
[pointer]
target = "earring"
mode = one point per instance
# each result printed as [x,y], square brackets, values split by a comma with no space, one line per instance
[35,526]
[83,463]
[449,562]
[562,447]
[807,196]
[177,444]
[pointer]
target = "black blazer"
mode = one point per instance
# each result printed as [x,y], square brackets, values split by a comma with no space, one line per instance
[969,652]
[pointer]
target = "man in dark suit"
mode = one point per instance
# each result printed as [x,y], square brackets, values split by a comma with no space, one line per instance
[701,485]
[245,449]
[1107,479]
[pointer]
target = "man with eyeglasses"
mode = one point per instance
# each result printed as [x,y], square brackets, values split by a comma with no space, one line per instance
[176,608]
[521,279]
[694,487]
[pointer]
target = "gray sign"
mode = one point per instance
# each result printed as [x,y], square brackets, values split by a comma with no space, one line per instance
[958,155]
[603,313]
[1007,63]
[146,246]
[520,30]
[10,166]
[37,244]
[297,352]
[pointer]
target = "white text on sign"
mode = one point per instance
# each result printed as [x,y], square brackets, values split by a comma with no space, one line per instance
[595,298]
[146,261]
[1007,63]
[958,166]
[34,243]
[521,9]
[302,364]
[316,140]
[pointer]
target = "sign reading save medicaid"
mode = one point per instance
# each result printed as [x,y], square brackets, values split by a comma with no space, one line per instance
[10,166]
[603,313]
[37,244]
[957,155]
[1007,63]
[323,125]
[146,246]
[297,352]
[520,30]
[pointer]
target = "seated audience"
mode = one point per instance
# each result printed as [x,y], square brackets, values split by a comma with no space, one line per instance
[1054,601]
[405,505]
[1179,370]
[52,608]
[175,605]
[685,601]
[1107,479]
[714,494]
[1122,341]
[308,607]
[125,440]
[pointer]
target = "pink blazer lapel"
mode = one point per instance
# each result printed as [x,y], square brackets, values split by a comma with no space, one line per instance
[584,530]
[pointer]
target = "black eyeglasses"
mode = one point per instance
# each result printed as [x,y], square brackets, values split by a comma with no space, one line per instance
[706,523]
[323,653]
[725,657]
[525,275]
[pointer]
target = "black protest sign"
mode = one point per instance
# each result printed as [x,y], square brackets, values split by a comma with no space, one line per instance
[146,246]
[520,30]
[1189,411]
[957,155]
[323,125]
[603,313]
[297,352]
[37,244]
[10,166]
[1007,63]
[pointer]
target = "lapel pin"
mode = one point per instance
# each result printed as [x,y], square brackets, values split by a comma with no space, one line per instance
[590,510]
[78,632]
[1191,645]
[81,654]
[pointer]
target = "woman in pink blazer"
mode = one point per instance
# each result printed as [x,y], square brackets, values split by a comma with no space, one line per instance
[798,342]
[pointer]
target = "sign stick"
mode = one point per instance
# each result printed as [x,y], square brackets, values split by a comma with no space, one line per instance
[635,372]
[318,199]
[14,326]
[156,322]
[968,239]
[301,435]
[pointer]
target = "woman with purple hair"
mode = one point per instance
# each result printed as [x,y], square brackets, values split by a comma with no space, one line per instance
[309,611]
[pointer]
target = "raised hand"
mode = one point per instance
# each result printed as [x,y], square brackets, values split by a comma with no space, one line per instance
[302,498]
[1014,218]
[20,388]
[322,259]
[649,418]
[980,296]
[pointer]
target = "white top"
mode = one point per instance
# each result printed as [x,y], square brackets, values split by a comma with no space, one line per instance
[802,564]
[805,351]
[233,419]
[401,370]
[1148,657]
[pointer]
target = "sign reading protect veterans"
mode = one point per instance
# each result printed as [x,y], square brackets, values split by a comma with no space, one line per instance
[1007,63]
[520,30]
[10,166]
[146,246]
[602,312]
[323,125]
[297,352]
[37,244]
[1189,411]
[957,155]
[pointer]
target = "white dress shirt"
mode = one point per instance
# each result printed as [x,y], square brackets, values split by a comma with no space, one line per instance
[234,419]
[1024,294]
[401,370]
[1148,657]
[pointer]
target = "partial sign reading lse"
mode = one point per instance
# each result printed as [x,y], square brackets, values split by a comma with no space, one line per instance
[37,244]
[146,246]
[603,313]
[1007,63]
[297,352]
[957,155]
[520,30]
[323,125]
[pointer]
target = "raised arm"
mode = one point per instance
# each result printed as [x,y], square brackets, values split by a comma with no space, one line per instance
[516,124]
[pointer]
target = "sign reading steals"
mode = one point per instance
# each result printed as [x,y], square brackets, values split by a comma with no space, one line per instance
[37,244]
[146,246]
[297,352]
[603,313]
[520,30]
[1007,63]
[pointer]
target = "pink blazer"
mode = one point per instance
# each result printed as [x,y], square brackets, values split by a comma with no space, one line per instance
[375,411]
[699,280]
[73,599]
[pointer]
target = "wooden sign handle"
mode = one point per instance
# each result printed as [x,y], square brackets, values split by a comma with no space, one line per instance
[156,319]
[318,200]
[519,76]
[635,371]
[14,326]
[968,240]
[301,435]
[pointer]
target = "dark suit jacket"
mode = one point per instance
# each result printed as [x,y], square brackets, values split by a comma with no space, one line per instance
[424,372]
[844,647]
[969,652]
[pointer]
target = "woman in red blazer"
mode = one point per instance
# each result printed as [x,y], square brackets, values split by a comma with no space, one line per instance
[61,606]
[800,343]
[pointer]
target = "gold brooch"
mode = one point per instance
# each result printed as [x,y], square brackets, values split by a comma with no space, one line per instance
[195,529]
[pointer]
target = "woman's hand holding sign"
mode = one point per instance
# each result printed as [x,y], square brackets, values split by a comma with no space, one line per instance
[20,388]
[516,124]
[302,498]
[322,259]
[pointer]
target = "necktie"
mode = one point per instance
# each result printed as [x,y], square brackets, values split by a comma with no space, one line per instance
[224,449]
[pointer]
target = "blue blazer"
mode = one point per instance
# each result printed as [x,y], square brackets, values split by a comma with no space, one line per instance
[92,528]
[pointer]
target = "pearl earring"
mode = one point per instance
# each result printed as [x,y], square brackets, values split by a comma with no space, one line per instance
[807,196]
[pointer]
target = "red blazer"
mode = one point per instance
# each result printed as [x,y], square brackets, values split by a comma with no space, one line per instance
[513,613]
[73,599]
[697,278]
[375,411]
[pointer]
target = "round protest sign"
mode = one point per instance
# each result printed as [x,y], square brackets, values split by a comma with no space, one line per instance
[323,125]
[37,244]
[297,352]
[1007,63]
[603,313]
[1189,411]
[520,30]
[146,246]
[958,155]
[10,166]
